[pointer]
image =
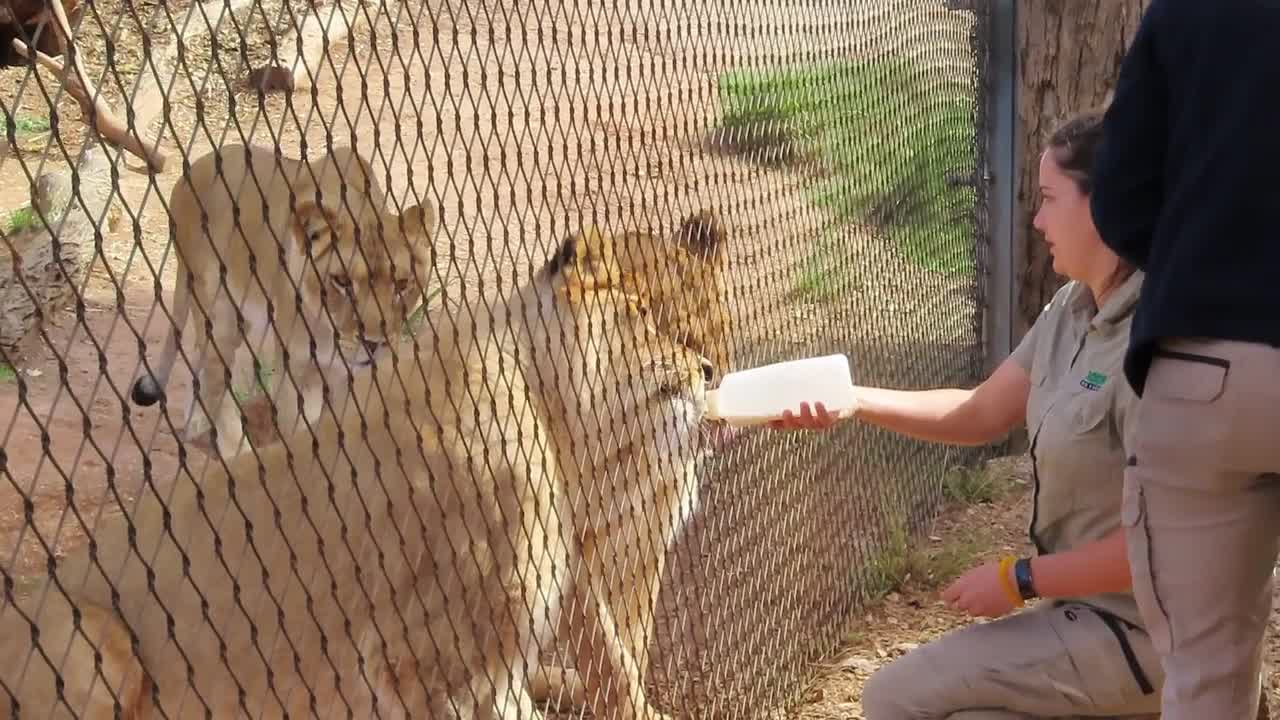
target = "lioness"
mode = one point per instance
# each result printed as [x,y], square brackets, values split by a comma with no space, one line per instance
[299,249]
[534,458]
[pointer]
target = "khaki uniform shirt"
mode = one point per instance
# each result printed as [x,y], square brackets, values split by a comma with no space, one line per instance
[1077,418]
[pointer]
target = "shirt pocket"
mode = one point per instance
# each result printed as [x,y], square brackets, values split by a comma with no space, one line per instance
[1087,410]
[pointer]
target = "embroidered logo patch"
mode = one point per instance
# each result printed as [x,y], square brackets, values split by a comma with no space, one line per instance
[1093,381]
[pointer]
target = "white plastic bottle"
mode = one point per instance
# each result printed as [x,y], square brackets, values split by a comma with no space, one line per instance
[762,394]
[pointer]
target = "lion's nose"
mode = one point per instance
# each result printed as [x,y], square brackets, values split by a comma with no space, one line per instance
[371,346]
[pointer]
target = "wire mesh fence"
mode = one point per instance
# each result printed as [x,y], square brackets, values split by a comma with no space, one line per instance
[441,285]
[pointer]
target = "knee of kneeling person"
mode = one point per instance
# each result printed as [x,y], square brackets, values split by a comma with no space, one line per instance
[892,691]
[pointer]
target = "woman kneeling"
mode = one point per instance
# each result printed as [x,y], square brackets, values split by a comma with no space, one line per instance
[1083,650]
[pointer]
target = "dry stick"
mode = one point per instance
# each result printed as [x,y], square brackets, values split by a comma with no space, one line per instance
[154,157]
[108,124]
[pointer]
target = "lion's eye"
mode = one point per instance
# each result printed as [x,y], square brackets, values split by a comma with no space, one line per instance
[341,281]
[670,388]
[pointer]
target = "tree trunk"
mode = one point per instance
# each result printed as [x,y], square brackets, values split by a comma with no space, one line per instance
[1069,54]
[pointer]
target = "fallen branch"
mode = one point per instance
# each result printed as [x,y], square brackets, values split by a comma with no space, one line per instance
[96,111]
[33,19]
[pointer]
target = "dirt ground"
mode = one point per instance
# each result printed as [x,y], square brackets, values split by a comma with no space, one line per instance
[524,121]
[912,613]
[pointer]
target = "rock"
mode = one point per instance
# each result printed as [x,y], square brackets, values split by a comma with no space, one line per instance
[271,78]
[38,276]
[858,664]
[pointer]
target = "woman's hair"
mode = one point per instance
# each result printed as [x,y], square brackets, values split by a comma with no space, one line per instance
[1074,146]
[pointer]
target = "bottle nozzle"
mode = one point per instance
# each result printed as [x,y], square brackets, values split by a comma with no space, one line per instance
[713,405]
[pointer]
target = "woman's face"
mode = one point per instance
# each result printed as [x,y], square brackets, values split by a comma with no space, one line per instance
[1067,226]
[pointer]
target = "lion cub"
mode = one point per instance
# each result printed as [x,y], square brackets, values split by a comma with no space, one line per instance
[296,250]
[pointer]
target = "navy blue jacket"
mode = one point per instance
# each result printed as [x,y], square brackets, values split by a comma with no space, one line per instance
[1187,178]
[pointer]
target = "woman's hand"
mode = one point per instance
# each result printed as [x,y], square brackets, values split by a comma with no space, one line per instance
[818,419]
[979,593]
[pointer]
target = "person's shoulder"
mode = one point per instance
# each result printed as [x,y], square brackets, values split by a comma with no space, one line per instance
[1057,311]
[1062,299]
[1068,291]
[1189,17]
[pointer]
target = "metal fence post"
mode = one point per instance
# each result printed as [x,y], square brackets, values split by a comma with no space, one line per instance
[1002,182]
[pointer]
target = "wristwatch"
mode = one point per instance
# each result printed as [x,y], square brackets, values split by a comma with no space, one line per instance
[1022,574]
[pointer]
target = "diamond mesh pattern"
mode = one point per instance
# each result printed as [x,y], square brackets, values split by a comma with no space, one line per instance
[838,144]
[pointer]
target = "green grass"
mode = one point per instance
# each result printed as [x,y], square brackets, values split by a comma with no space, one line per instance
[28,125]
[7,373]
[413,323]
[904,560]
[892,564]
[975,486]
[262,383]
[885,133]
[825,274]
[21,219]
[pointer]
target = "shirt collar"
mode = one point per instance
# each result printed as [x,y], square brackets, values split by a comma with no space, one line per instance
[1118,306]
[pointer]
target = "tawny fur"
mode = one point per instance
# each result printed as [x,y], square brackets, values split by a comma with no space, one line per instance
[520,474]
[357,270]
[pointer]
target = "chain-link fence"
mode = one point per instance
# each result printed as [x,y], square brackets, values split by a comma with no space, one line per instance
[441,445]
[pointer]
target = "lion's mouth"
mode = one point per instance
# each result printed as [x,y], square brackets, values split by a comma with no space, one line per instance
[718,434]
[371,349]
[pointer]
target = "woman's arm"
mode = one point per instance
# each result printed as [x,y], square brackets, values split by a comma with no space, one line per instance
[946,415]
[1101,566]
[1098,567]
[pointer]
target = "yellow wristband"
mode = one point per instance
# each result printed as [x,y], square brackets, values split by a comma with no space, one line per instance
[1006,563]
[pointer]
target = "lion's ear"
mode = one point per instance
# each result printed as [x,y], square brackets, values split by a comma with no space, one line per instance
[420,219]
[702,233]
[587,258]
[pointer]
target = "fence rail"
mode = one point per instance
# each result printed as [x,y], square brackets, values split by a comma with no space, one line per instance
[447,281]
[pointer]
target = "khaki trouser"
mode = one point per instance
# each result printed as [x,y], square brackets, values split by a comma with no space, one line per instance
[1202,518]
[1044,662]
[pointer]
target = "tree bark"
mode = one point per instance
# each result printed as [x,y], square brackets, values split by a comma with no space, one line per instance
[1069,54]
